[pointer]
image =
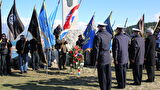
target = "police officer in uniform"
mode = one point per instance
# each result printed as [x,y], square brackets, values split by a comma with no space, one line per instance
[137,50]
[120,55]
[102,56]
[150,45]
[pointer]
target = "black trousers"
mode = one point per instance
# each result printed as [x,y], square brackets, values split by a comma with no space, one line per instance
[150,72]
[62,60]
[104,76]
[35,60]
[121,75]
[87,58]
[3,66]
[8,63]
[137,73]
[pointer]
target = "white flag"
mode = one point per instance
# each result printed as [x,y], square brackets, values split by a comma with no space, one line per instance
[67,5]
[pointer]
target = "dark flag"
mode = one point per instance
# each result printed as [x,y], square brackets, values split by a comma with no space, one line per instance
[33,26]
[140,24]
[0,19]
[14,23]
[157,28]
[34,30]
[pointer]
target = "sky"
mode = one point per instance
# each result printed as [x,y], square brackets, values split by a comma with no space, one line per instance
[122,9]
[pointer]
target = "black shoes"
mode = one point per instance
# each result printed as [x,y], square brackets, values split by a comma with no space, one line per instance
[23,72]
[135,83]
[149,80]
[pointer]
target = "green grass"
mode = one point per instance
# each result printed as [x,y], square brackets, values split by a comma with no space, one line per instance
[63,80]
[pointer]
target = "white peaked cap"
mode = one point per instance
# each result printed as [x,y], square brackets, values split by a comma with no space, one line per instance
[102,24]
[150,30]
[135,29]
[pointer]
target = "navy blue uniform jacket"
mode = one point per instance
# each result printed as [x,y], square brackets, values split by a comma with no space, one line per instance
[101,47]
[120,48]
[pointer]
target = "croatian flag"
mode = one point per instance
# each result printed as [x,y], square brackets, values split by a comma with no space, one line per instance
[70,17]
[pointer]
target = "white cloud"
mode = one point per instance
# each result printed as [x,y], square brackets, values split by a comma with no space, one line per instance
[82,25]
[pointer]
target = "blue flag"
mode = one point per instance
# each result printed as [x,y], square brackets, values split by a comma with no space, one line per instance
[89,34]
[48,36]
[52,16]
[63,34]
[109,27]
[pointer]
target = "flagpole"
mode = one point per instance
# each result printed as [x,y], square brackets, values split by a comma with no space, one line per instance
[125,24]
[157,24]
[62,15]
[0,19]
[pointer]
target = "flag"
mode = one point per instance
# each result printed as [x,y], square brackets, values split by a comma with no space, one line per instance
[67,5]
[34,27]
[63,34]
[48,35]
[70,18]
[140,24]
[14,23]
[89,34]
[157,28]
[109,27]
[34,30]
[0,19]
[52,17]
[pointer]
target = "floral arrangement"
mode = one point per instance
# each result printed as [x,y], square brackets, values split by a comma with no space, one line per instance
[76,59]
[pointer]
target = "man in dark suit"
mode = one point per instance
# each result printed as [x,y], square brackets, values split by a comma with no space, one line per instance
[120,55]
[150,45]
[102,56]
[137,50]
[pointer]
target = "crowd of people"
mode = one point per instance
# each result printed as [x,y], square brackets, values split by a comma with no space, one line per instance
[24,47]
[133,52]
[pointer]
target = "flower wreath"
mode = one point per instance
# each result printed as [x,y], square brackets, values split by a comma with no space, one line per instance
[76,58]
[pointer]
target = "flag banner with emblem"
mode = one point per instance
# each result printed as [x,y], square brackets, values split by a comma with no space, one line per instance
[67,5]
[0,19]
[52,17]
[48,35]
[140,24]
[70,17]
[108,22]
[14,23]
[89,35]
[157,28]
[34,30]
